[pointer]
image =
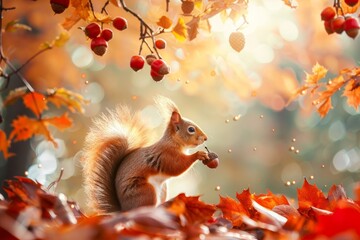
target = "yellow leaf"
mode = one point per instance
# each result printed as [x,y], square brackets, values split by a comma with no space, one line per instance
[291,3]
[15,95]
[164,22]
[180,30]
[352,92]
[4,145]
[63,97]
[318,72]
[36,102]
[61,39]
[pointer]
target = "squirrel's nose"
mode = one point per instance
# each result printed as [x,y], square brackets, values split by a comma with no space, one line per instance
[205,138]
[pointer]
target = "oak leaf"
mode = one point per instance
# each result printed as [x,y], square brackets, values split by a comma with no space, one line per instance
[232,210]
[25,127]
[318,72]
[164,22]
[63,97]
[352,92]
[4,145]
[180,30]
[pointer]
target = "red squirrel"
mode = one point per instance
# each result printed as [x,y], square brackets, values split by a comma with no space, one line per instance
[124,168]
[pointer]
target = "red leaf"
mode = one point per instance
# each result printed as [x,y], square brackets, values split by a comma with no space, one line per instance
[36,102]
[310,196]
[232,210]
[4,145]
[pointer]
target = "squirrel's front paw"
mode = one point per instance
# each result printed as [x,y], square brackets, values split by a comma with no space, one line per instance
[201,155]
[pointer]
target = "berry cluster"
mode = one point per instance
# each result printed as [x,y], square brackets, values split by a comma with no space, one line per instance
[100,37]
[340,23]
[159,67]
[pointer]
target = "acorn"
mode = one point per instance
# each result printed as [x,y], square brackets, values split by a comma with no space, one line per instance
[213,161]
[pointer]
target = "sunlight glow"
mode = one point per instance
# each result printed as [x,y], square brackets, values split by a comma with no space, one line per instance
[264,53]
[289,31]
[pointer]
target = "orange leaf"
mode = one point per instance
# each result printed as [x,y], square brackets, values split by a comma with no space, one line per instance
[245,199]
[24,127]
[63,97]
[164,22]
[81,11]
[15,95]
[194,210]
[232,210]
[291,3]
[318,72]
[193,26]
[310,196]
[61,122]
[36,102]
[270,200]
[352,92]
[325,107]
[4,145]
[180,30]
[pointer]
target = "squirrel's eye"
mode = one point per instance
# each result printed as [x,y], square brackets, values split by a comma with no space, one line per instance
[191,130]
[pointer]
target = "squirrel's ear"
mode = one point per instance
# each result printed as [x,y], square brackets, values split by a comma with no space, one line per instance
[175,118]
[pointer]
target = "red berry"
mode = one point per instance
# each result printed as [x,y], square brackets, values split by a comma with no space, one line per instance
[137,62]
[160,67]
[351,3]
[351,27]
[107,34]
[328,13]
[150,58]
[337,24]
[92,30]
[120,23]
[160,43]
[59,6]
[156,76]
[99,46]
[328,28]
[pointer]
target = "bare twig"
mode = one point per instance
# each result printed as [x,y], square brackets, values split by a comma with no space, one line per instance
[167,5]
[103,9]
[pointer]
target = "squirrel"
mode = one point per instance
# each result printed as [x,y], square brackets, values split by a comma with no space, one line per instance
[124,168]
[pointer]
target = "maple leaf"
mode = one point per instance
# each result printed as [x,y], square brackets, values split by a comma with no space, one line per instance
[164,22]
[352,92]
[232,210]
[194,210]
[310,196]
[24,127]
[180,30]
[81,11]
[4,145]
[271,200]
[318,72]
[291,3]
[325,107]
[36,102]
[63,97]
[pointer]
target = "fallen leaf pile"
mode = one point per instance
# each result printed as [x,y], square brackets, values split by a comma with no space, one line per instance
[33,212]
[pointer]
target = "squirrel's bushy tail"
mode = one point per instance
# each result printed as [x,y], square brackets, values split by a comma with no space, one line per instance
[112,136]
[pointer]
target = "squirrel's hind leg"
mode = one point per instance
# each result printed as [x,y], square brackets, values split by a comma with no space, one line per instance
[144,195]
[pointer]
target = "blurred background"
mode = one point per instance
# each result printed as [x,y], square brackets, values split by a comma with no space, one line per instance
[238,99]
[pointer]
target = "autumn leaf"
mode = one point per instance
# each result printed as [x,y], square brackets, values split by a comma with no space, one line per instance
[232,210]
[25,127]
[164,22]
[63,97]
[36,102]
[194,210]
[81,11]
[310,196]
[4,145]
[14,95]
[318,72]
[71,20]
[271,200]
[192,29]
[291,3]
[325,107]
[180,30]
[352,92]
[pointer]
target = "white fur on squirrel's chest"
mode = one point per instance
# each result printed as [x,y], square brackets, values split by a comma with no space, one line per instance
[157,181]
